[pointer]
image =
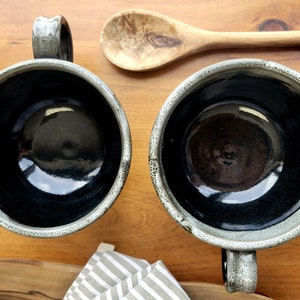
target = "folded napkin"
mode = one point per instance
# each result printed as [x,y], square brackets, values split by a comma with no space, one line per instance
[110,275]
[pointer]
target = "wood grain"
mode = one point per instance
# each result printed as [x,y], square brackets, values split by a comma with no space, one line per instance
[137,223]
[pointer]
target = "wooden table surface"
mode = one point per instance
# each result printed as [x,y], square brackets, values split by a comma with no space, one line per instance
[137,223]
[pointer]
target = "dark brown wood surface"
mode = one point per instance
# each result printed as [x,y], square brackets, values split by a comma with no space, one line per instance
[137,223]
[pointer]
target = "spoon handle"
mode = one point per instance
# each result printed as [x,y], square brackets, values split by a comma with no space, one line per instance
[209,40]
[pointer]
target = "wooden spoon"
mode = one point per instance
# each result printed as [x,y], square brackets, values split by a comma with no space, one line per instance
[141,40]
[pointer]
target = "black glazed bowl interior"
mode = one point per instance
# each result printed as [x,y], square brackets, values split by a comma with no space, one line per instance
[225,152]
[65,147]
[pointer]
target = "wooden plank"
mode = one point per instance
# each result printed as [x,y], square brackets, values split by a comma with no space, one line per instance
[39,280]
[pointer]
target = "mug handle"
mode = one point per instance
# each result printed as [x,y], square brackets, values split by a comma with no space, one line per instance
[51,38]
[239,270]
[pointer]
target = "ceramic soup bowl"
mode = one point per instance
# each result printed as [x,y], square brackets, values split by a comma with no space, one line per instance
[225,160]
[66,146]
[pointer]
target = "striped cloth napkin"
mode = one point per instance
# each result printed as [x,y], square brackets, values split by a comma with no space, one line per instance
[110,275]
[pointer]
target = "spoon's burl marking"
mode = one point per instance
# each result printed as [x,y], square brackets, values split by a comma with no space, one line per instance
[136,27]
[161,41]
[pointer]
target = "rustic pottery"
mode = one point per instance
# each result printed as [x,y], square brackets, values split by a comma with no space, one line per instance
[224,160]
[66,141]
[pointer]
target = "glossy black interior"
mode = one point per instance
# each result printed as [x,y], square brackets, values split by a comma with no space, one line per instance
[230,207]
[61,147]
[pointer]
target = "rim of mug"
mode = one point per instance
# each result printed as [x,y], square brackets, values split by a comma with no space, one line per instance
[125,161]
[234,240]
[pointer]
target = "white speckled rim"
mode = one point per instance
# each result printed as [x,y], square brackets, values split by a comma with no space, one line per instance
[234,240]
[68,67]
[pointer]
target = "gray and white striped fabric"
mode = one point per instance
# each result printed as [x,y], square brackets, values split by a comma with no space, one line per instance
[110,275]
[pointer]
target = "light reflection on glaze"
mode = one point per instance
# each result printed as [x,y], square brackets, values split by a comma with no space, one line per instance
[242,196]
[50,183]
[233,153]
[61,149]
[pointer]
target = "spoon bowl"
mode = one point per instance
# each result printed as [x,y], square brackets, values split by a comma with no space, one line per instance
[141,40]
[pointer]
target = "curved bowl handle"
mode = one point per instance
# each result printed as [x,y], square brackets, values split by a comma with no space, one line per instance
[239,270]
[51,38]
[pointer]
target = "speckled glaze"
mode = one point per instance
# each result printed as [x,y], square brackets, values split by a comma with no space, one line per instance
[239,270]
[51,38]
[67,67]
[232,240]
